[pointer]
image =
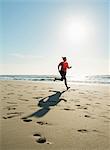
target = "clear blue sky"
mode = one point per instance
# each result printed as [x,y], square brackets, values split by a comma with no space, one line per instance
[35,34]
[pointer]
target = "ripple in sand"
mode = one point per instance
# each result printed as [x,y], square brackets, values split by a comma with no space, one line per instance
[81,93]
[11,116]
[74,89]
[95,131]
[11,102]
[76,100]
[33,106]
[18,113]
[88,104]
[20,94]
[4,117]
[89,99]
[106,117]
[97,103]
[10,93]
[23,99]
[4,97]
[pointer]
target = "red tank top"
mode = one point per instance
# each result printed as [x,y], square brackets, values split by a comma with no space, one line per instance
[64,66]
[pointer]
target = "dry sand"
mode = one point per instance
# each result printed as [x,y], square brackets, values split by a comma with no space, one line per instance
[43,116]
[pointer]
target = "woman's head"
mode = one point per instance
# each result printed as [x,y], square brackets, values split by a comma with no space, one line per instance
[64,58]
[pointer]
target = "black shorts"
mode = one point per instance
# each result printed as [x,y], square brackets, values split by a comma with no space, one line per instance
[63,74]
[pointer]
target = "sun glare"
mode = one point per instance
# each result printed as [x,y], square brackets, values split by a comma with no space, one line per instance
[74,30]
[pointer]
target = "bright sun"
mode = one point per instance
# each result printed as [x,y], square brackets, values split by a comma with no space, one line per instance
[74,30]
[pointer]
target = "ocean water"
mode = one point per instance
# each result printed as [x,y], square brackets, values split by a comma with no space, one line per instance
[102,79]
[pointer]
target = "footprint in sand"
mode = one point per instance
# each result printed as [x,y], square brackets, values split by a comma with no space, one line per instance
[85,131]
[87,116]
[37,97]
[68,109]
[41,139]
[81,107]
[43,123]
[11,107]
[78,105]
[26,120]
[84,107]
[37,134]
[82,130]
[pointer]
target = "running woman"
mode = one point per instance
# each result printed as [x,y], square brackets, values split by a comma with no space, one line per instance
[62,68]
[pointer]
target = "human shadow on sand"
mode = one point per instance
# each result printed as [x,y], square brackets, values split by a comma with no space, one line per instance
[46,103]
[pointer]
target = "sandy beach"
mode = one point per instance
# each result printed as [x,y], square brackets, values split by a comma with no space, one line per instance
[44,116]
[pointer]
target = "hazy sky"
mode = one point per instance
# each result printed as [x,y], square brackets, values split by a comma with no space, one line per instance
[35,34]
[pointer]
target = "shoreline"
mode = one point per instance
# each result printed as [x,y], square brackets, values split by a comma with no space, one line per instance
[62,82]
